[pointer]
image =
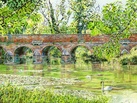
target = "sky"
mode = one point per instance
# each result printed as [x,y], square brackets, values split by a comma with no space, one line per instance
[104,2]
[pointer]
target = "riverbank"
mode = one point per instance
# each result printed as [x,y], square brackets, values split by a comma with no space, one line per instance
[42,83]
[58,86]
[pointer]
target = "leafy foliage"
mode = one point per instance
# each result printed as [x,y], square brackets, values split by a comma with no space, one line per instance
[56,17]
[116,21]
[83,11]
[125,61]
[107,50]
[52,55]
[16,4]
[134,60]
[80,54]
[130,60]
[93,59]
[14,15]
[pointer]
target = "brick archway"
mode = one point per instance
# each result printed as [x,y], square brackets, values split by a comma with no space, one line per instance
[23,46]
[65,43]
[48,57]
[80,45]
[58,47]
[23,54]
[73,51]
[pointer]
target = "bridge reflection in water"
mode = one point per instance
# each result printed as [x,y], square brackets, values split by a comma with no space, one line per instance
[121,78]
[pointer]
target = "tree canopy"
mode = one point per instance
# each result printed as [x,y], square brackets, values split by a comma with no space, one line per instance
[117,21]
[83,12]
[56,17]
[61,17]
[15,13]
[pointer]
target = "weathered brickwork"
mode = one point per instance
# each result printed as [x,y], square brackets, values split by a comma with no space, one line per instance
[54,38]
[60,38]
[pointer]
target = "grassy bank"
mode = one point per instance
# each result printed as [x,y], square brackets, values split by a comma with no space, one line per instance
[13,94]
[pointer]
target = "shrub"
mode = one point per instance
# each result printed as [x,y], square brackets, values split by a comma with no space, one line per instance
[125,61]
[134,60]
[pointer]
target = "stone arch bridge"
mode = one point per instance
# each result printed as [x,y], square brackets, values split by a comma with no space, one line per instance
[65,43]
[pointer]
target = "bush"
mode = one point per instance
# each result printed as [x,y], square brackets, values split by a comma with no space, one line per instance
[12,94]
[94,58]
[125,61]
[134,60]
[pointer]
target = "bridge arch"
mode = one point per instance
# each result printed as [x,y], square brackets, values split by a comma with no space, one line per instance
[20,46]
[83,50]
[51,45]
[51,54]
[79,45]
[23,54]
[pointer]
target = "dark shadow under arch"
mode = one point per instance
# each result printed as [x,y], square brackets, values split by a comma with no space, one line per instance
[23,54]
[51,53]
[85,51]
[75,47]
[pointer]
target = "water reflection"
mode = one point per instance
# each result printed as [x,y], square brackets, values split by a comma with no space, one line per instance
[122,78]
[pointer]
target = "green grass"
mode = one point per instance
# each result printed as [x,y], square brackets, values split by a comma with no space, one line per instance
[13,94]
[3,67]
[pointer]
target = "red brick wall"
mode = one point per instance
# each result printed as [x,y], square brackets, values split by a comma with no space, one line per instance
[60,38]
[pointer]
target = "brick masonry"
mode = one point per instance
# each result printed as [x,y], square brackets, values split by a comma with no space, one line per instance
[65,43]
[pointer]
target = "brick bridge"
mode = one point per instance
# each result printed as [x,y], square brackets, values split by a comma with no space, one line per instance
[67,44]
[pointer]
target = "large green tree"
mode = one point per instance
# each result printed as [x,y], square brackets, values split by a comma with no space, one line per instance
[83,12]
[15,13]
[117,21]
[56,16]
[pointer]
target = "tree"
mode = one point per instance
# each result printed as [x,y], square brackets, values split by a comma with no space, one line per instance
[56,17]
[14,15]
[34,24]
[116,21]
[83,12]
